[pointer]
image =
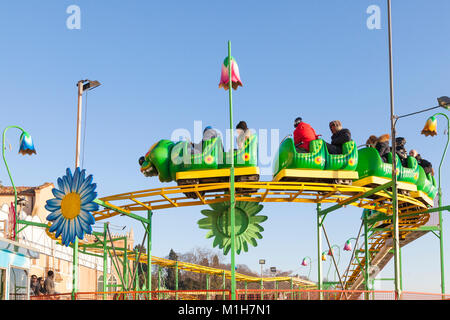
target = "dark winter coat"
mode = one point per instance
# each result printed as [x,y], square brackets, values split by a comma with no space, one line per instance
[401,150]
[337,140]
[382,146]
[425,164]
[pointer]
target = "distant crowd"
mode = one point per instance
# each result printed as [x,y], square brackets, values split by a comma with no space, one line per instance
[40,286]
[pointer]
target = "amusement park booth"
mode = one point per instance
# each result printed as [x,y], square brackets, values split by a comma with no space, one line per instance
[15,261]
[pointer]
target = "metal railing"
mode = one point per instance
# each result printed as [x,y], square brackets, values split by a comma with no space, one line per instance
[246,294]
[142,295]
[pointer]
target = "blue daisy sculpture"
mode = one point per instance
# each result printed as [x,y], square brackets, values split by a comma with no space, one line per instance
[72,206]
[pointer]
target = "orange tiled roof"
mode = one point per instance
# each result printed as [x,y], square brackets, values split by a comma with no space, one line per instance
[23,190]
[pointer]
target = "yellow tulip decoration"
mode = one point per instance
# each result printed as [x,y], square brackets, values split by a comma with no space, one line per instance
[430,128]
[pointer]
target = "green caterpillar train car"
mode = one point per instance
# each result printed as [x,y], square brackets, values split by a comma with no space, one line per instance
[318,164]
[175,161]
[363,167]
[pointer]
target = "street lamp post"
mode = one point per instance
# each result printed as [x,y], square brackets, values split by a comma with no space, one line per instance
[395,235]
[305,264]
[83,85]
[262,262]
[261,283]
[331,253]
[442,103]
[26,147]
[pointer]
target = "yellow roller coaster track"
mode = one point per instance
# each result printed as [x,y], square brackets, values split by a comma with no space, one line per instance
[133,203]
[291,192]
[191,267]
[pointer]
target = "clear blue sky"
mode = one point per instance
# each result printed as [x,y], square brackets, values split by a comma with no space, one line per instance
[159,65]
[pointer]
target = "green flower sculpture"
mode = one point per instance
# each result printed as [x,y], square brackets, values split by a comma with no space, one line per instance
[246,224]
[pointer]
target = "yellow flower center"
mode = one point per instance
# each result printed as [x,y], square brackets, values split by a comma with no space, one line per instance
[71,205]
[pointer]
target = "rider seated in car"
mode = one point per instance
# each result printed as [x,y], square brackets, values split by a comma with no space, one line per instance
[243,134]
[303,135]
[339,137]
[381,144]
[400,149]
[208,133]
[425,164]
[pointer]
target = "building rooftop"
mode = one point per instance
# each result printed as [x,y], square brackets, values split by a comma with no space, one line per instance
[22,190]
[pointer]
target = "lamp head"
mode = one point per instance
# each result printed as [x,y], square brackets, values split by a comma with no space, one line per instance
[444,102]
[26,144]
[90,84]
[430,128]
[348,246]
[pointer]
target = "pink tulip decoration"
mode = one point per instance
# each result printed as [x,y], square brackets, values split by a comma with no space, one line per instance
[348,246]
[304,263]
[235,77]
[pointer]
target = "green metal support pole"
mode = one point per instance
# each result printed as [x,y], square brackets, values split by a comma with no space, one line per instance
[207,286]
[319,251]
[276,288]
[366,257]
[149,252]
[245,287]
[232,191]
[355,198]
[105,261]
[125,265]
[159,282]
[292,289]
[223,284]
[176,280]
[75,269]
[441,236]
[10,177]
[136,276]
[261,285]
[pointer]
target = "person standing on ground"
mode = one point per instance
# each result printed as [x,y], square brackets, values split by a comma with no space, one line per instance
[49,283]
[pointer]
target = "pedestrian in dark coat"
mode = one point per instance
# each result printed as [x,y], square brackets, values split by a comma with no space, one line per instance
[339,137]
[34,285]
[49,283]
[41,287]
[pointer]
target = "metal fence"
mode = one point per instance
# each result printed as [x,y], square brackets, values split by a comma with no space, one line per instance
[245,294]
[257,294]
[142,295]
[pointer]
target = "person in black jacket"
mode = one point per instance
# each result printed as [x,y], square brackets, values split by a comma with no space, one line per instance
[401,150]
[381,144]
[339,137]
[425,164]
